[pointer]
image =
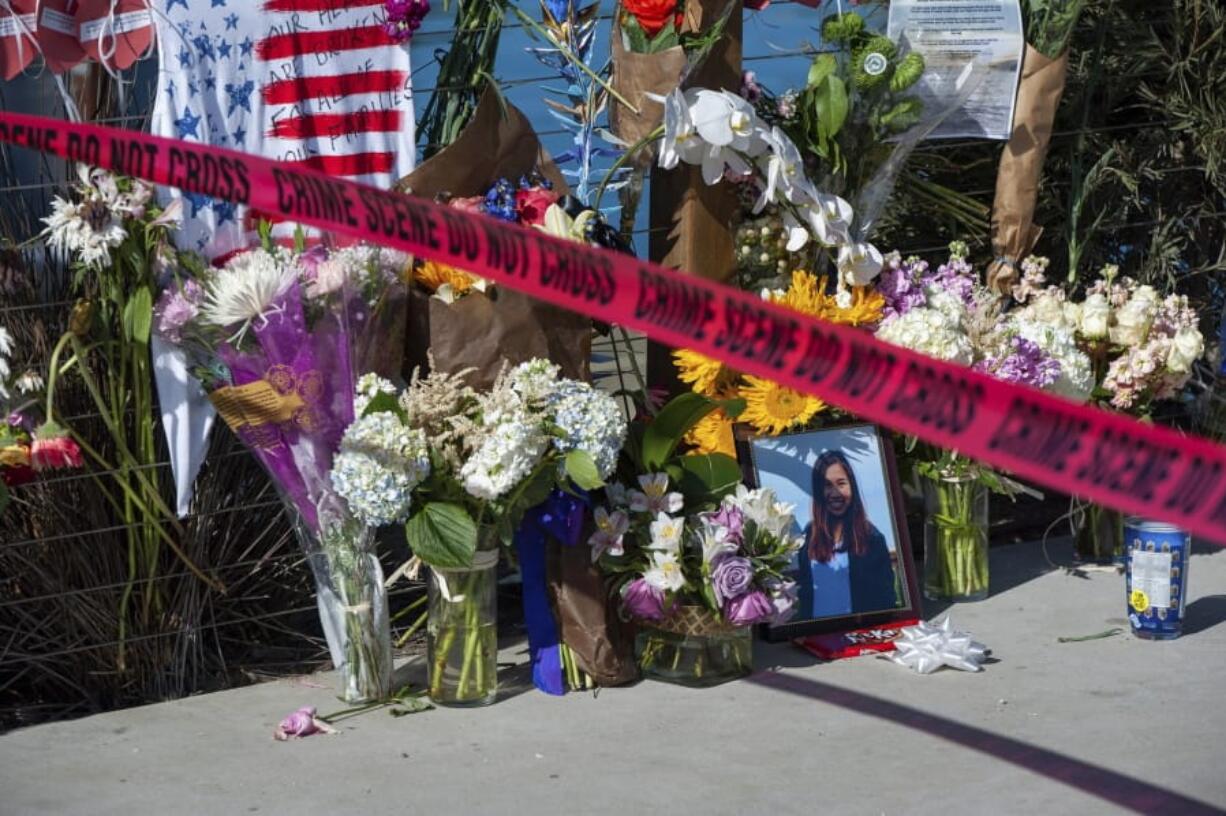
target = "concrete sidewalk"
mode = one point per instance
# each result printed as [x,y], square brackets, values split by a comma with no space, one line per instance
[1102,726]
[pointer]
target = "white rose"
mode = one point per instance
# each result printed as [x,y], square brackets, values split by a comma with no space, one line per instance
[1134,318]
[1048,308]
[1186,348]
[1072,314]
[1095,317]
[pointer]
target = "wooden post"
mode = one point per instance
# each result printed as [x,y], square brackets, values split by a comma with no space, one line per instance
[691,222]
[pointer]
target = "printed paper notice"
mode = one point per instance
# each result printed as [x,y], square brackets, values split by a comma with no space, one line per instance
[1151,573]
[951,34]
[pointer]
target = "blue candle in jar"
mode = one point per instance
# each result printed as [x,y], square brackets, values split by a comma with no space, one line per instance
[1156,571]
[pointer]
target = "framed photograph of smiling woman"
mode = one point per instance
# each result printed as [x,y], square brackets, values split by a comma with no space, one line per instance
[855,569]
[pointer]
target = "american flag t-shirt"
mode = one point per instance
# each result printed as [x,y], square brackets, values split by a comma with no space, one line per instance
[313,83]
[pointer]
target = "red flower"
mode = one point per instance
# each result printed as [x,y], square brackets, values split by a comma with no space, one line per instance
[55,452]
[530,204]
[653,15]
[16,475]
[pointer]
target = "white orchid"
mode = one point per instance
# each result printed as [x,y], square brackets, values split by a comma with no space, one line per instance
[724,119]
[858,263]
[784,169]
[681,141]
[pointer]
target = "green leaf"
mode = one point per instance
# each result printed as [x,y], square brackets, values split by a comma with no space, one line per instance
[822,67]
[831,106]
[710,475]
[581,469]
[138,316]
[636,38]
[732,408]
[537,489]
[442,535]
[664,39]
[384,402]
[662,436]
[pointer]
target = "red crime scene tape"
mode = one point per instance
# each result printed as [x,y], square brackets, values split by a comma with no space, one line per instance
[1108,458]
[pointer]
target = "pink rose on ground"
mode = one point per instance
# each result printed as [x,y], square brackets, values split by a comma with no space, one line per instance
[471,204]
[748,609]
[302,723]
[642,600]
[530,204]
[55,452]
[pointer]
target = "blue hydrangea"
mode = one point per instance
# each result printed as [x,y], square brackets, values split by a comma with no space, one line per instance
[379,464]
[588,420]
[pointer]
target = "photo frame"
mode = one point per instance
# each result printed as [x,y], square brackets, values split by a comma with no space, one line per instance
[842,586]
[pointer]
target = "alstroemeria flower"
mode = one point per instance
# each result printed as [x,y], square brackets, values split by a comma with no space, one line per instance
[666,533]
[654,498]
[610,529]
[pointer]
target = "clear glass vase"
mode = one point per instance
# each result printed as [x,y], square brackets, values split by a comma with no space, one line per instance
[694,647]
[462,633]
[955,539]
[353,609]
[1098,534]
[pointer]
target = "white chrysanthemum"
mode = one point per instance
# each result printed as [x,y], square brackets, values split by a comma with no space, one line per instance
[1076,379]
[590,420]
[367,388]
[535,380]
[246,288]
[29,382]
[929,331]
[89,230]
[505,456]
[379,464]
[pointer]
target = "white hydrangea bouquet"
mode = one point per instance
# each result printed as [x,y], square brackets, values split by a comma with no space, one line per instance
[460,468]
[1141,348]
[275,337]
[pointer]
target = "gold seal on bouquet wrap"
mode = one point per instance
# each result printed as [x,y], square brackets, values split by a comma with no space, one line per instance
[283,396]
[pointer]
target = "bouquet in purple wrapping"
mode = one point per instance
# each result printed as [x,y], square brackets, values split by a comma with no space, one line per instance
[278,337]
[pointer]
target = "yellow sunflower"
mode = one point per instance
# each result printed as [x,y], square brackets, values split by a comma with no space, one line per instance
[772,408]
[703,374]
[807,294]
[432,275]
[712,434]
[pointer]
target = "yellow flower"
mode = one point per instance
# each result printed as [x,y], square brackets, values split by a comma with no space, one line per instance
[807,294]
[772,408]
[712,434]
[704,375]
[433,275]
[14,455]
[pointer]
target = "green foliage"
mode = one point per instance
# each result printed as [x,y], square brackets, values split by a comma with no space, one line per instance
[638,41]
[442,535]
[582,470]
[662,436]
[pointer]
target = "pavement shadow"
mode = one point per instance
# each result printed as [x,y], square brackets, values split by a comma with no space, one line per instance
[1204,613]
[1123,791]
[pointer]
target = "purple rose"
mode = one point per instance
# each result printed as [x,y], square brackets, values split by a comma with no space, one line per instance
[642,600]
[302,723]
[732,519]
[731,577]
[750,608]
